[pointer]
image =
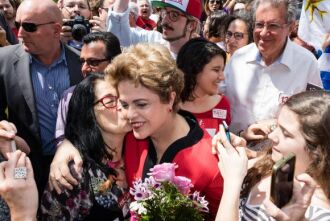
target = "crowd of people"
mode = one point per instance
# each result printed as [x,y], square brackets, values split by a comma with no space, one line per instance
[94,93]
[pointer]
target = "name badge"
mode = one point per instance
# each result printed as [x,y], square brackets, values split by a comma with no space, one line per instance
[219,113]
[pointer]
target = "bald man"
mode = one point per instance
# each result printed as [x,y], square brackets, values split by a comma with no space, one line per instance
[33,76]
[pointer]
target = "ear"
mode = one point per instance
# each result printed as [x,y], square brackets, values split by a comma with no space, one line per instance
[172,98]
[57,29]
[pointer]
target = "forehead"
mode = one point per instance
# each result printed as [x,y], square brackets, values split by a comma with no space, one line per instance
[95,49]
[237,25]
[4,2]
[31,14]
[268,12]
[75,1]
[289,120]
[102,88]
[143,2]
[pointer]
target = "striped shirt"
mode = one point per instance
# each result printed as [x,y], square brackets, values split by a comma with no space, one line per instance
[257,213]
[49,82]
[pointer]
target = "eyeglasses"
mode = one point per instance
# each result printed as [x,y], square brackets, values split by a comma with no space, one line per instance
[30,27]
[272,27]
[172,15]
[92,62]
[108,101]
[237,35]
[216,2]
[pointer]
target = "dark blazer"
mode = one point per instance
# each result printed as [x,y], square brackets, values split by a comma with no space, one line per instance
[16,93]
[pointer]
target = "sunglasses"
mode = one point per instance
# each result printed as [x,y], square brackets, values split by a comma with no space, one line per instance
[92,62]
[30,27]
[237,35]
[212,2]
[108,101]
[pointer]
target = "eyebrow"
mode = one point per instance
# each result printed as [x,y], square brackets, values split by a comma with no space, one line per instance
[283,129]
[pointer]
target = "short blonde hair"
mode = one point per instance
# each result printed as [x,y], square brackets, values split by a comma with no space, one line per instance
[149,65]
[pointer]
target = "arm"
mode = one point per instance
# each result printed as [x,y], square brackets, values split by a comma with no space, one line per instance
[59,170]
[17,192]
[258,130]
[233,163]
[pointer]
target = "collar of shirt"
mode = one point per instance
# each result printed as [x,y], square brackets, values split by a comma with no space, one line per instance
[286,58]
[59,60]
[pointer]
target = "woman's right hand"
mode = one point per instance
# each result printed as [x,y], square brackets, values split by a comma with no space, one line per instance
[60,176]
[233,159]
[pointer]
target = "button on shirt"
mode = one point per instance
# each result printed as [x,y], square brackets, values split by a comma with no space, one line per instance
[256,91]
[49,82]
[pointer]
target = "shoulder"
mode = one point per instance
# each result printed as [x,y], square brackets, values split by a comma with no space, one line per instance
[301,51]
[10,51]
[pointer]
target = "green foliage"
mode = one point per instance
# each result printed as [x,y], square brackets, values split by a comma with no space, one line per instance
[168,204]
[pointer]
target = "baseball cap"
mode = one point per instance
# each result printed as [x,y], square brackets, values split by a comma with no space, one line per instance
[189,7]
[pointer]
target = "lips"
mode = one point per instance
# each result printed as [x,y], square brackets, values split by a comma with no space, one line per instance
[137,125]
[276,150]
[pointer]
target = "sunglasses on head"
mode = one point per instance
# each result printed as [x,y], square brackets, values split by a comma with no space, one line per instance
[30,27]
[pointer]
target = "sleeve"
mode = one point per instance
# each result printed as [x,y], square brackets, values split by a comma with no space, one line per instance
[62,113]
[314,74]
[118,25]
[64,206]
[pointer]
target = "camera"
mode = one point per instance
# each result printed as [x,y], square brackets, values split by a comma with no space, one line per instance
[79,27]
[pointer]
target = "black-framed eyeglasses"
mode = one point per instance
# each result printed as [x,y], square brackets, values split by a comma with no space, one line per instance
[108,101]
[92,62]
[29,26]
[172,15]
[216,2]
[237,35]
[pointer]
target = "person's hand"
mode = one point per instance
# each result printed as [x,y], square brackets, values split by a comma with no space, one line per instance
[7,135]
[233,162]
[3,37]
[60,175]
[234,140]
[303,190]
[259,130]
[20,194]
[66,34]
[98,25]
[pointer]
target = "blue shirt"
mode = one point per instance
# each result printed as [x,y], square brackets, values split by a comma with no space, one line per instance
[48,82]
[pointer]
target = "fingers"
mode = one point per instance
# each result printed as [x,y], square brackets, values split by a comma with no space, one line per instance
[78,164]
[7,130]
[30,174]
[2,171]
[274,211]
[308,189]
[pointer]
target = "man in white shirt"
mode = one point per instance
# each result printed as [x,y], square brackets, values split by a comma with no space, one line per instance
[180,19]
[262,75]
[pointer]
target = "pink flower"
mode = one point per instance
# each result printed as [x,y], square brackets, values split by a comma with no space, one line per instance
[183,184]
[163,172]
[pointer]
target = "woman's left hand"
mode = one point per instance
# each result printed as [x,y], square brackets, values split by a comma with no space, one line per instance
[18,187]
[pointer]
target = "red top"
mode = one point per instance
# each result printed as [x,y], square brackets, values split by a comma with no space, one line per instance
[146,24]
[191,153]
[211,119]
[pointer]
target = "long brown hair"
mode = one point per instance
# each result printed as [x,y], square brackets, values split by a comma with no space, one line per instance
[313,111]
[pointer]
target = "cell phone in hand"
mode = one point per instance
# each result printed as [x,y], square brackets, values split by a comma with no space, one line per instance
[282,180]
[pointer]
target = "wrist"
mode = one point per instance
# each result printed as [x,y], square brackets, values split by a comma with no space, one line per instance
[21,216]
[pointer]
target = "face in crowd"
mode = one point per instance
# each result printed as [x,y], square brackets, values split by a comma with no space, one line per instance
[93,57]
[175,24]
[7,9]
[105,109]
[214,5]
[144,9]
[236,36]
[39,27]
[271,30]
[72,8]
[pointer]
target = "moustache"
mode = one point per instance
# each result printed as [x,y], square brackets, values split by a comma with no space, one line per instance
[167,27]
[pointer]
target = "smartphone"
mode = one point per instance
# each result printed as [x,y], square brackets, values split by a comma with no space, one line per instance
[226,130]
[282,180]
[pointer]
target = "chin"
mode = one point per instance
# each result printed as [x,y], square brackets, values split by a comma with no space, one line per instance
[139,135]
[276,156]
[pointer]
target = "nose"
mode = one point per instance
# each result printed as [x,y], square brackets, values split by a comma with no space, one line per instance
[130,113]
[85,69]
[221,76]
[264,31]
[76,9]
[273,136]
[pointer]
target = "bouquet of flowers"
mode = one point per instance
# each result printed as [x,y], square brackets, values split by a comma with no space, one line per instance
[164,196]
